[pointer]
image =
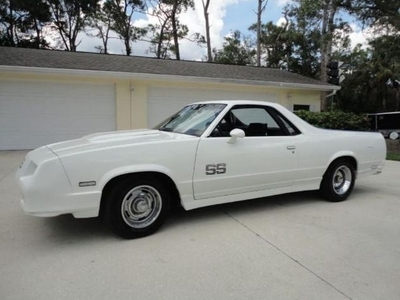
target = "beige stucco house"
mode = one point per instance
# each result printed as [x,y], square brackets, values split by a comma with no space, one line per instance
[48,96]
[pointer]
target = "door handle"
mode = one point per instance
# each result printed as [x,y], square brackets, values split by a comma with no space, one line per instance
[291,147]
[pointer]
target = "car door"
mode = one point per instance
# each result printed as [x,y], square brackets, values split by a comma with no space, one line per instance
[265,158]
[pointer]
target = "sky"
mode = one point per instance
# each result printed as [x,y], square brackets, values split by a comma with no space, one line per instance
[225,17]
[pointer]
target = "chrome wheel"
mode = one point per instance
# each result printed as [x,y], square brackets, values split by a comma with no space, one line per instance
[141,206]
[342,180]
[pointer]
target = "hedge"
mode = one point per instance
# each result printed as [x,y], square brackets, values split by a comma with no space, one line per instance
[335,120]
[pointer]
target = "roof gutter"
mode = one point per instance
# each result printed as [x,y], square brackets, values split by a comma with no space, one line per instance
[147,76]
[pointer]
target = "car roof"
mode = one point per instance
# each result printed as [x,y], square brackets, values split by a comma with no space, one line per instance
[253,102]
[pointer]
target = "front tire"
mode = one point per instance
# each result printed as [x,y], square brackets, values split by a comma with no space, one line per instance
[137,207]
[338,181]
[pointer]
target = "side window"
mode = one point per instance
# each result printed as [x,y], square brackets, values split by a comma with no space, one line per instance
[254,121]
[253,115]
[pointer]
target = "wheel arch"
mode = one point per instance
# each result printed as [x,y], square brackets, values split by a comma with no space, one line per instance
[343,156]
[164,179]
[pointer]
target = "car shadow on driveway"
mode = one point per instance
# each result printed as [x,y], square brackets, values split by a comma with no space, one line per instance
[181,218]
[66,226]
[67,229]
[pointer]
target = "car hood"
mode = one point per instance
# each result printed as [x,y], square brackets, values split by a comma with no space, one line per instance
[115,139]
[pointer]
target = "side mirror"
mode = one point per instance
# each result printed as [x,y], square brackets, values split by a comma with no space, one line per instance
[236,134]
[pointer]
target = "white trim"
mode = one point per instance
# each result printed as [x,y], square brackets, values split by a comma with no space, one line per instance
[125,75]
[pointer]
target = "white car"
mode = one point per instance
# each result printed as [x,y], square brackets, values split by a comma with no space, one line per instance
[208,153]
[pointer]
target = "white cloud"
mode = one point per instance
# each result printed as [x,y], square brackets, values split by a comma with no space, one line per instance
[282,3]
[281,22]
[360,35]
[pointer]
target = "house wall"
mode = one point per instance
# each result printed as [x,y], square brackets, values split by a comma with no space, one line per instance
[302,97]
[132,95]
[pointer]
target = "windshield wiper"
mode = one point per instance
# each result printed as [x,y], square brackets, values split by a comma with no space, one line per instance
[165,129]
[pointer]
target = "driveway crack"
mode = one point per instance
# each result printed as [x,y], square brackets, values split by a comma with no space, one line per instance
[287,255]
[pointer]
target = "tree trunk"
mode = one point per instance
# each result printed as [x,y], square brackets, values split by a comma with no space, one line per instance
[259,33]
[11,27]
[175,29]
[160,40]
[207,21]
[260,9]
[71,28]
[38,33]
[105,39]
[127,43]
[328,27]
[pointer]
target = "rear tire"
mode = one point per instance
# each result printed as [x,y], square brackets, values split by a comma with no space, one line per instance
[136,207]
[338,181]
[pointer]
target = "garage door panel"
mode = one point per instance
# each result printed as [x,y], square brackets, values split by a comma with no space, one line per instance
[33,114]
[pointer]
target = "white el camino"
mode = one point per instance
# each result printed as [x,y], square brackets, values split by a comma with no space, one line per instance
[208,153]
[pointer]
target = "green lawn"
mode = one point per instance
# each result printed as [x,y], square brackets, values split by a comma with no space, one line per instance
[393,156]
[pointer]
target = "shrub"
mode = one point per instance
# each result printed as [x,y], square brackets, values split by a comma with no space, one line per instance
[335,120]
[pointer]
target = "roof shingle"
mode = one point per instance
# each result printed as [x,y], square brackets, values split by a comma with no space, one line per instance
[54,59]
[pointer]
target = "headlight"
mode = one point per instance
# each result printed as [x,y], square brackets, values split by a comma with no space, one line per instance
[30,169]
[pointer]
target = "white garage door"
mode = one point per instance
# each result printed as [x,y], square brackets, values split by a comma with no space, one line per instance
[34,113]
[163,102]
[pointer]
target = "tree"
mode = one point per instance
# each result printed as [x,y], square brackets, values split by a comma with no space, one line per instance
[376,11]
[293,46]
[69,18]
[9,22]
[122,12]
[321,16]
[206,5]
[236,50]
[260,9]
[101,21]
[161,41]
[38,17]
[356,94]
[369,73]
[22,22]
[177,7]
[169,30]
[273,42]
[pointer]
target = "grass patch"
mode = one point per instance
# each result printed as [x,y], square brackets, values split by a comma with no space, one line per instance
[393,156]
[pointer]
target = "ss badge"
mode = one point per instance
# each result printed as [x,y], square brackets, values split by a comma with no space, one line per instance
[213,169]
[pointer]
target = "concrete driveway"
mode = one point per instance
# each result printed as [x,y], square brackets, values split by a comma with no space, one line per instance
[288,247]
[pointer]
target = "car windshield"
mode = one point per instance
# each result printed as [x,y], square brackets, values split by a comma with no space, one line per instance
[192,119]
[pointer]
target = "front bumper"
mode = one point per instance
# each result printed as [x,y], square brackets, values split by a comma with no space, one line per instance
[46,190]
[79,205]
